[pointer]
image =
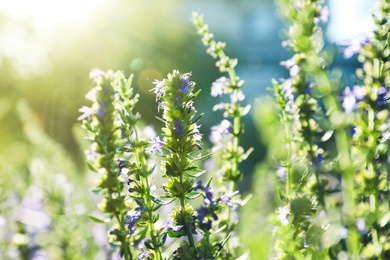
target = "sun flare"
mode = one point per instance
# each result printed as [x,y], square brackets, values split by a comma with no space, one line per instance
[43,13]
[29,27]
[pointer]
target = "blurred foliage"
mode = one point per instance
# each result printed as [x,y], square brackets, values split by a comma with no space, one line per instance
[145,38]
[257,233]
[39,153]
[44,204]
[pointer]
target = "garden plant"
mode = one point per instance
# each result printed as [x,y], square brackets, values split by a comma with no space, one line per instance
[167,193]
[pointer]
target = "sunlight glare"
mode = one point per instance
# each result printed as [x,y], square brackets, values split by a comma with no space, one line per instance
[48,12]
[30,27]
[350,19]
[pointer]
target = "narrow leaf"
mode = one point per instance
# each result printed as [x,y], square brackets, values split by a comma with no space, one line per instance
[97,220]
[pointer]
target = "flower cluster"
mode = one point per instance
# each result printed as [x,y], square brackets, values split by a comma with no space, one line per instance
[120,155]
[304,173]
[359,160]
[101,122]
[44,211]
[182,142]
[332,171]
[369,105]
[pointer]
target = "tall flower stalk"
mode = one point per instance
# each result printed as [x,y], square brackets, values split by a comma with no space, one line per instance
[368,103]
[309,80]
[101,122]
[175,95]
[111,120]
[138,171]
[226,135]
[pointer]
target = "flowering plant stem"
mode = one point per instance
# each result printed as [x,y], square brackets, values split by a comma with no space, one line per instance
[233,152]
[125,105]
[100,121]
[140,160]
[344,160]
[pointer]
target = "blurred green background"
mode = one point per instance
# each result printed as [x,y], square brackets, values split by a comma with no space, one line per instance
[48,48]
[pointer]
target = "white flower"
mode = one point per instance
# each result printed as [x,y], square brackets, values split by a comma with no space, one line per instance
[237,97]
[218,86]
[283,215]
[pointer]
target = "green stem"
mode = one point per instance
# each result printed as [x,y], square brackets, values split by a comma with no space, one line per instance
[121,218]
[289,156]
[152,232]
[344,161]
[189,231]
[371,165]
[140,159]
[236,141]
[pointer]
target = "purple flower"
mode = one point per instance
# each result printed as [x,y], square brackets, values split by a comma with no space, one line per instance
[219,106]
[208,200]
[283,215]
[219,131]
[121,164]
[218,86]
[227,198]
[185,85]
[354,47]
[317,161]
[169,227]
[237,97]
[201,216]
[87,113]
[382,96]
[351,98]
[208,197]
[294,70]
[157,146]
[202,213]
[352,131]
[292,66]
[159,89]
[179,127]
[131,220]
[144,254]
[281,172]
[101,110]
[308,89]
[160,106]
[324,15]
[96,75]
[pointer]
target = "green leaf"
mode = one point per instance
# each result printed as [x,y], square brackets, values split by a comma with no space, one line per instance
[384,220]
[246,154]
[198,118]
[148,244]
[247,198]
[129,81]
[166,202]
[163,239]
[195,175]
[90,166]
[202,157]
[97,220]
[155,200]
[222,228]
[328,134]
[180,233]
[193,195]
[226,239]
[245,110]
[156,218]
[209,182]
